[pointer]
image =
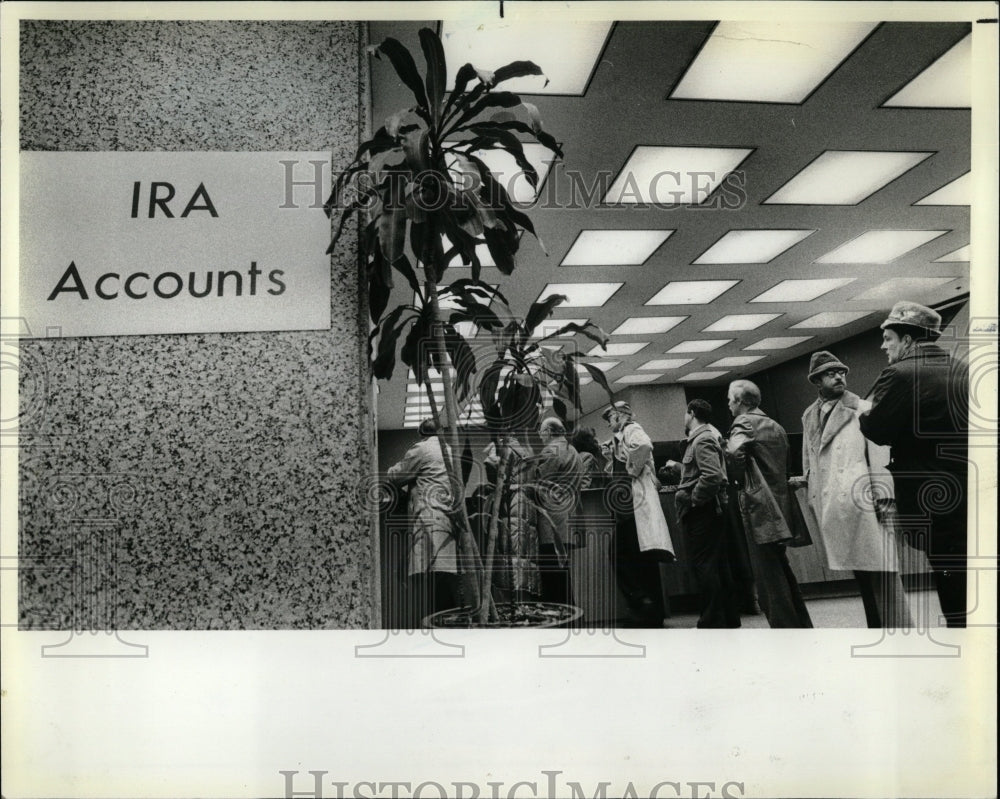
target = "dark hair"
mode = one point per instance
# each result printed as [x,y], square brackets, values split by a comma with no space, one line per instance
[585,440]
[916,333]
[427,428]
[701,409]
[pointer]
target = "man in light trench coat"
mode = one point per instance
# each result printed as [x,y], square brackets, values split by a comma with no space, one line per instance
[432,580]
[641,538]
[844,476]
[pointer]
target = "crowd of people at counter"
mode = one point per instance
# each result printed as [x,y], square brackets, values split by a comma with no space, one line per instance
[876,472]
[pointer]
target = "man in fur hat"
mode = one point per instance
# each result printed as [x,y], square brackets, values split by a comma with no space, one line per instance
[920,407]
[843,474]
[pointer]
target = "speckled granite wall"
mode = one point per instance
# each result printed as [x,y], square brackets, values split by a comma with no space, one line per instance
[197,481]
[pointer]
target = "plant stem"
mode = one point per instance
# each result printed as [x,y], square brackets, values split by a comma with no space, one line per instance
[491,535]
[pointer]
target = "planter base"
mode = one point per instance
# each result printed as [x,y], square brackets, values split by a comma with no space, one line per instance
[532,615]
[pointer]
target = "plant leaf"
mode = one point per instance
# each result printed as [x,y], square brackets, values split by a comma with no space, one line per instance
[517,69]
[436,75]
[599,378]
[541,310]
[385,362]
[405,67]
[392,233]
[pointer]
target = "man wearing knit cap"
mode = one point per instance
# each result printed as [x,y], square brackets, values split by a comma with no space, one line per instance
[641,536]
[844,474]
[920,407]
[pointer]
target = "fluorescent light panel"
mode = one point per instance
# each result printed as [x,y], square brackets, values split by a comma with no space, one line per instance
[802,290]
[961,254]
[567,51]
[751,246]
[661,364]
[582,295]
[777,342]
[614,247]
[691,292]
[646,378]
[947,83]
[618,349]
[673,175]
[703,375]
[768,62]
[604,366]
[482,252]
[879,246]
[844,177]
[646,325]
[509,175]
[743,321]
[892,290]
[418,388]
[703,345]
[550,326]
[831,319]
[958,192]
[736,360]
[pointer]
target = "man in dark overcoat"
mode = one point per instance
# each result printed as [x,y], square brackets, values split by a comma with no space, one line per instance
[920,407]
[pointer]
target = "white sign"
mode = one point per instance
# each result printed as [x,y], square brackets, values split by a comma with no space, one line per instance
[127,243]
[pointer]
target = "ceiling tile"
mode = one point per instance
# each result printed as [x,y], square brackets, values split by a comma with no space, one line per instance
[751,246]
[617,349]
[614,247]
[832,319]
[947,83]
[770,62]
[879,246]
[581,295]
[958,192]
[567,51]
[845,177]
[803,290]
[777,342]
[666,363]
[673,175]
[645,325]
[902,288]
[744,321]
[701,345]
[691,292]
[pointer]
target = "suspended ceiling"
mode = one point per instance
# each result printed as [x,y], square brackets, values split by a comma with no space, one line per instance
[732,195]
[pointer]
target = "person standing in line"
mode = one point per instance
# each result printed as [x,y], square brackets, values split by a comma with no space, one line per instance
[920,409]
[558,475]
[758,445]
[641,538]
[700,500]
[432,572]
[843,476]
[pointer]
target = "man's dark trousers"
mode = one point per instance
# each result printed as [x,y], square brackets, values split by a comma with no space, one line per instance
[704,533]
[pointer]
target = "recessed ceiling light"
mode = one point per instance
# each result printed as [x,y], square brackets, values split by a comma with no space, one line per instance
[958,192]
[801,290]
[736,360]
[961,254]
[617,349]
[417,388]
[582,295]
[550,326]
[604,366]
[768,62]
[832,319]
[647,378]
[646,325]
[743,321]
[411,424]
[691,292]
[908,287]
[673,175]
[508,174]
[567,51]
[466,329]
[947,83]
[751,246]
[703,375]
[702,345]
[666,363]
[777,342]
[844,177]
[614,247]
[879,246]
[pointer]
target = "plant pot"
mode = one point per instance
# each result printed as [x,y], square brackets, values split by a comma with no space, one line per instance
[513,615]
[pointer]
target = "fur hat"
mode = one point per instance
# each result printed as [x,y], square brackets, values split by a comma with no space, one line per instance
[913,314]
[617,407]
[822,361]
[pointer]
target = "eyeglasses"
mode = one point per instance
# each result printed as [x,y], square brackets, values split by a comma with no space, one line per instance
[835,373]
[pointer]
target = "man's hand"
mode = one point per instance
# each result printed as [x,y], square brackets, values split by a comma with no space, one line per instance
[798,481]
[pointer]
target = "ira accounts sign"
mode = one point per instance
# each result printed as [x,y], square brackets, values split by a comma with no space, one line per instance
[130,243]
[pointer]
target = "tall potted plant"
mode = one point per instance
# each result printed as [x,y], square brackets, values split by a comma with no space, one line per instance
[421,190]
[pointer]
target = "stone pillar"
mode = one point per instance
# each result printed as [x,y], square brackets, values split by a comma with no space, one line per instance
[246,455]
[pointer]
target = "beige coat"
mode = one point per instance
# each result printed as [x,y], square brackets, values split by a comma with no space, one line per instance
[634,448]
[840,511]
